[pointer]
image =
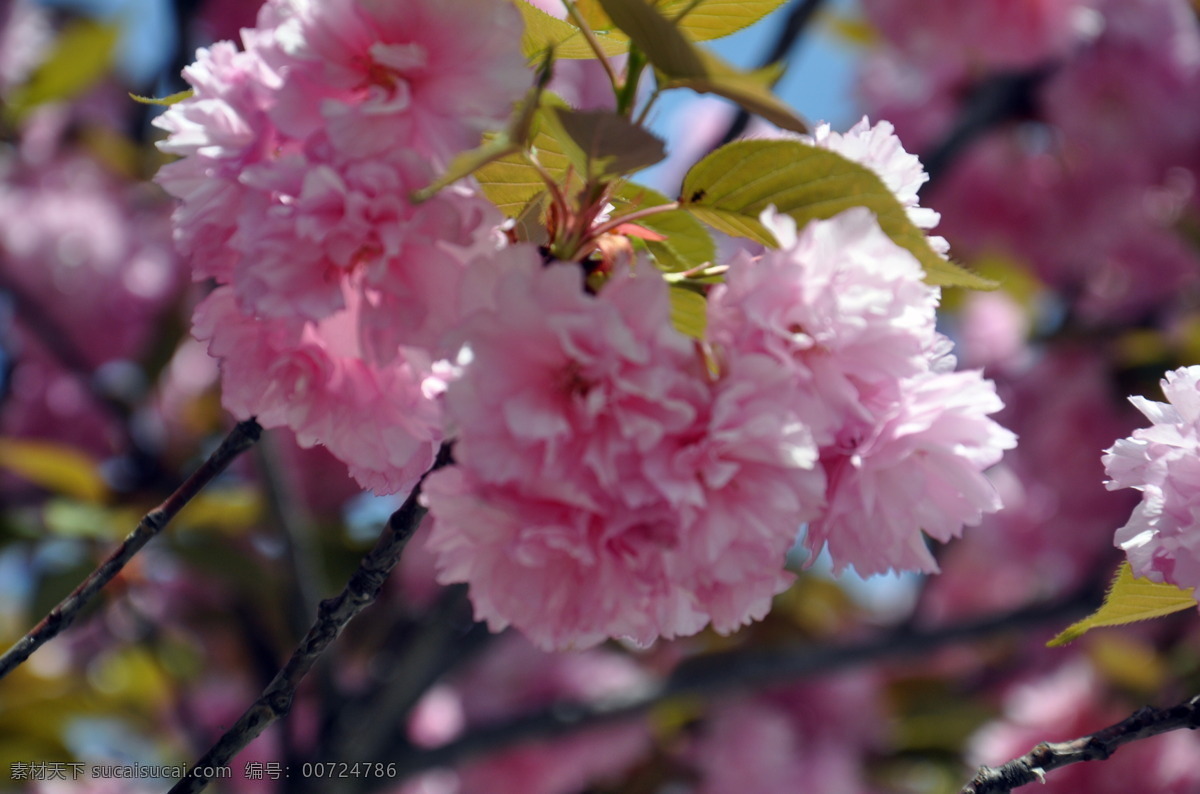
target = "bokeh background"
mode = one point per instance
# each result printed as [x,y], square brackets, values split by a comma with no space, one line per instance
[1062,138]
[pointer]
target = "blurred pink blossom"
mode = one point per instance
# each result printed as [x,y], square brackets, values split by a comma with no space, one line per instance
[820,733]
[1004,34]
[514,678]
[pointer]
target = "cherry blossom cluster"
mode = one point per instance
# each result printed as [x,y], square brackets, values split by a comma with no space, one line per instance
[612,477]
[1163,462]
[299,153]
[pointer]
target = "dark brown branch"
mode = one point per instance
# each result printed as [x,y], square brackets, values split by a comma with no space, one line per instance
[1033,766]
[333,614]
[793,27]
[241,438]
[737,670]
[995,100]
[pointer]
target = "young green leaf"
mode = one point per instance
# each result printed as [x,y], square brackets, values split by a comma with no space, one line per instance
[165,101]
[1129,600]
[78,60]
[656,36]
[729,188]
[689,311]
[751,90]
[713,19]
[707,19]
[681,64]
[543,31]
[56,467]
[610,144]
[687,245]
[512,181]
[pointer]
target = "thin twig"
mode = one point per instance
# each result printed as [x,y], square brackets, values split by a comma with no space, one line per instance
[241,438]
[1033,766]
[995,100]
[593,43]
[333,614]
[736,670]
[636,215]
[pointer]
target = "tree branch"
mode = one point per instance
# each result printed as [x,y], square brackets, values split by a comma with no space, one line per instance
[333,614]
[1033,766]
[241,438]
[732,671]
[796,23]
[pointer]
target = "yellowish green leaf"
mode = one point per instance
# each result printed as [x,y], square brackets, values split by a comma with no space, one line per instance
[80,57]
[707,20]
[687,245]
[543,31]
[689,311]
[681,64]
[166,101]
[1129,600]
[608,143]
[656,36]
[72,518]
[512,181]
[56,467]
[713,19]
[729,188]
[228,510]
[735,223]
[1128,661]
[751,90]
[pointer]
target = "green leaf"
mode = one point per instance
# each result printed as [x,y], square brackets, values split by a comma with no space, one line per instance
[71,518]
[610,144]
[751,90]
[688,243]
[512,181]
[713,19]
[689,311]
[708,20]
[1129,600]
[729,188]
[80,57]
[656,36]
[166,101]
[683,65]
[229,510]
[55,467]
[543,31]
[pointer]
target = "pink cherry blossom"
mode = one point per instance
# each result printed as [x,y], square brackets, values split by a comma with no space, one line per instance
[915,465]
[820,732]
[878,148]
[844,311]
[515,677]
[382,421]
[989,33]
[837,304]
[432,74]
[606,484]
[1162,537]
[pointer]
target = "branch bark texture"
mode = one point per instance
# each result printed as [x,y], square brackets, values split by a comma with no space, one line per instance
[1033,766]
[241,438]
[333,614]
[717,673]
